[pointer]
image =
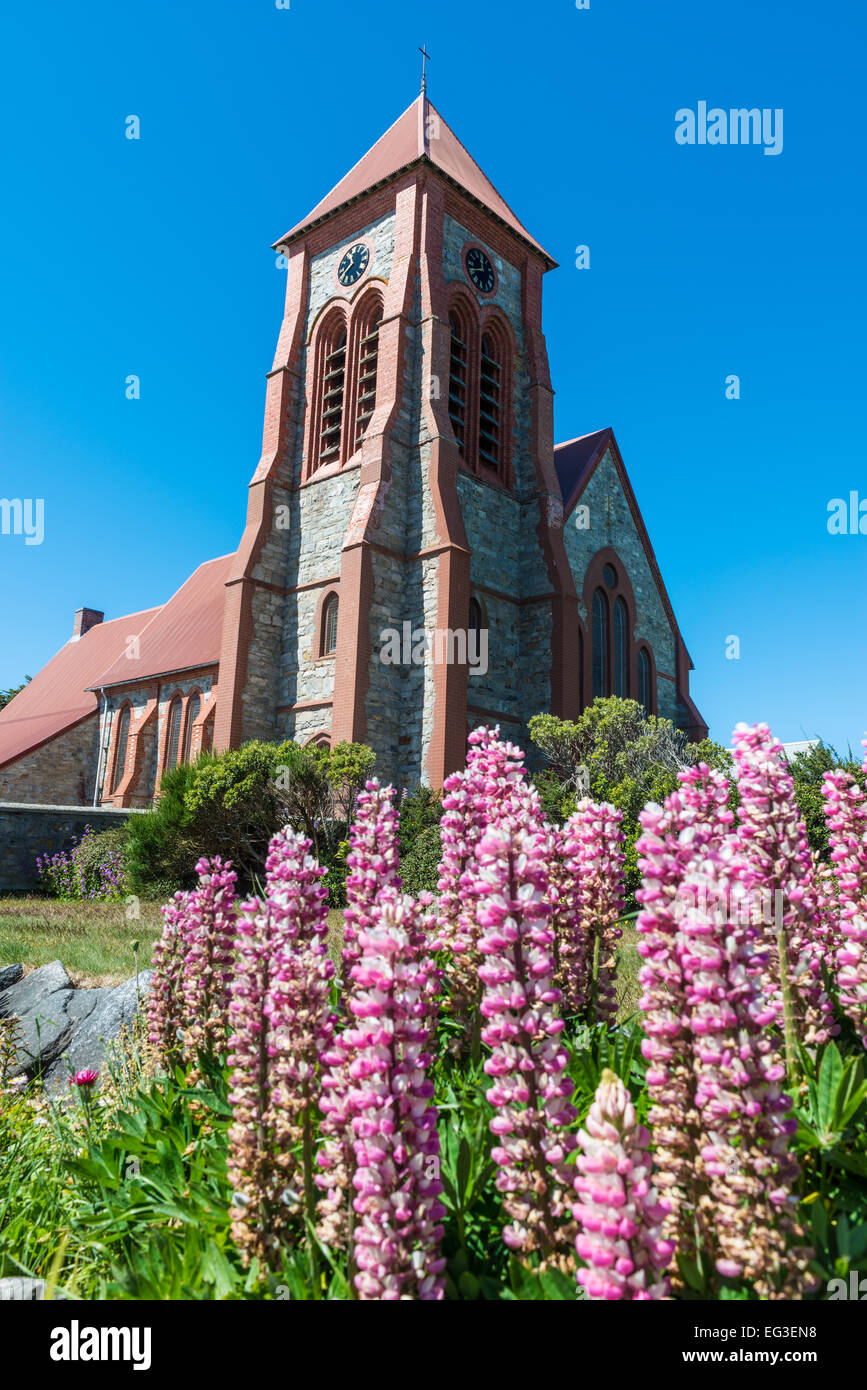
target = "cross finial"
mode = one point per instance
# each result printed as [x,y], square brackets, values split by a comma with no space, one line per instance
[425,55]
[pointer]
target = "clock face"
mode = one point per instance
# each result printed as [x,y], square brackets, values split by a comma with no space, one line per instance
[354,264]
[480,270]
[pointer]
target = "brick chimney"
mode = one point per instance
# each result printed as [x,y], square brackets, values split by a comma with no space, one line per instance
[85,619]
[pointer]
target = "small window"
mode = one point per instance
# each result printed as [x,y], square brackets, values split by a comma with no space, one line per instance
[120,748]
[609,574]
[621,649]
[490,404]
[333,388]
[194,705]
[458,385]
[329,626]
[645,681]
[600,644]
[368,364]
[173,737]
[475,619]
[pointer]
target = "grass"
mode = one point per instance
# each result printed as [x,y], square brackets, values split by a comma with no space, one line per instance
[92,939]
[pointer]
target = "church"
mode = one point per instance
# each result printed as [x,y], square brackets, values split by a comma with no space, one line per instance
[409,485]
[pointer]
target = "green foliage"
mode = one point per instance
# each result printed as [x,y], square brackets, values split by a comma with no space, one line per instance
[419,810]
[616,752]
[420,869]
[808,770]
[7,695]
[232,803]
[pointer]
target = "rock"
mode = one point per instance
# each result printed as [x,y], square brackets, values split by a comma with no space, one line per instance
[10,975]
[42,1033]
[33,990]
[86,1049]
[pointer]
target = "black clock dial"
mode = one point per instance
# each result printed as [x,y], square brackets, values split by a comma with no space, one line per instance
[354,264]
[480,270]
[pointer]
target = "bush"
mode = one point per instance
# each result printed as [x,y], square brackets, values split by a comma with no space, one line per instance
[231,803]
[418,811]
[420,869]
[95,868]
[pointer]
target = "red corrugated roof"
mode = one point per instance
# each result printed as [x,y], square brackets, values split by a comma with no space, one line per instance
[59,696]
[420,133]
[184,633]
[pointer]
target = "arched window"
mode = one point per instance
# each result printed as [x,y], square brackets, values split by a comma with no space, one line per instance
[458,384]
[621,649]
[329,625]
[121,746]
[173,735]
[194,705]
[580,669]
[600,644]
[490,403]
[476,618]
[645,680]
[368,363]
[333,389]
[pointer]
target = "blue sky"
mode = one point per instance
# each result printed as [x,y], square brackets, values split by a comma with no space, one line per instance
[152,258]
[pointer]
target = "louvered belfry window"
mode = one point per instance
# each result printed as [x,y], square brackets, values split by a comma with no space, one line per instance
[120,752]
[458,385]
[490,404]
[332,400]
[368,362]
[173,738]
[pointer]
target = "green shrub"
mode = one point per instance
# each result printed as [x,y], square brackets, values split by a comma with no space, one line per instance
[420,869]
[232,803]
[418,811]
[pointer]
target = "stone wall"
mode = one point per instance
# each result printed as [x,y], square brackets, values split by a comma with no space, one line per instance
[63,769]
[30,830]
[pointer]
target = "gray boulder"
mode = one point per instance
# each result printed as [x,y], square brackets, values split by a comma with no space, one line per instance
[85,1050]
[33,990]
[10,975]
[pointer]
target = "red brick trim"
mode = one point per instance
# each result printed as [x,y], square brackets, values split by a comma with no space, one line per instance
[123,795]
[112,779]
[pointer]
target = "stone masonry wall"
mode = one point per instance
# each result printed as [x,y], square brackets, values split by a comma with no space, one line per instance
[63,769]
[27,831]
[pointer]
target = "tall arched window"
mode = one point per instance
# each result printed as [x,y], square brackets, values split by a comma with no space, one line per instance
[121,746]
[490,403]
[194,705]
[580,669]
[600,644]
[173,734]
[333,389]
[621,649]
[645,681]
[329,625]
[458,383]
[476,619]
[368,363]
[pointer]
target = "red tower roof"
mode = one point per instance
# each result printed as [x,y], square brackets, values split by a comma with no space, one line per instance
[419,135]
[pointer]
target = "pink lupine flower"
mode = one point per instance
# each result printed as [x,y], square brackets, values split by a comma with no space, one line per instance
[166,1006]
[397,1230]
[745,1212]
[618,1212]
[592,888]
[208,928]
[280,1010]
[672,840]
[778,865]
[531,1089]
[846,814]
[372,864]
[493,786]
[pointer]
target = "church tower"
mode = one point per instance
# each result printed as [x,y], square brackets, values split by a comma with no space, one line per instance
[407,484]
